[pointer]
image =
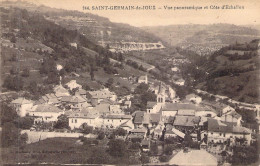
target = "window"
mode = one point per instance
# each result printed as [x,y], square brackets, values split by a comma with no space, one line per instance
[224,134]
[220,134]
[211,133]
[75,120]
[71,120]
[120,120]
[46,118]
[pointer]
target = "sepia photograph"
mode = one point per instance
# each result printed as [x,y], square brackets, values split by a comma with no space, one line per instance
[130,82]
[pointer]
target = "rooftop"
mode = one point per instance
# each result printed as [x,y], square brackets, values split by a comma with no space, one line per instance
[21,101]
[188,121]
[47,108]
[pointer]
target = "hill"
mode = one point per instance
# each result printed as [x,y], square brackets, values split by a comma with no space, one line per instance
[94,27]
[204,39]
[232,71]
[32,47]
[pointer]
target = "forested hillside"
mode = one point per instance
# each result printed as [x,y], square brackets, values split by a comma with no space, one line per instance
[232,71]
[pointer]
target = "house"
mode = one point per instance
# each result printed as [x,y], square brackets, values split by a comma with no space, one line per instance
[128,125]
[89,116]
[143,79]
[138,119]
[128,103]
[205,114]
[73,84]
[220,132]
[171,109]
[180,82]
[81,92]
[114,121]
[186,112]
[115,109]
[137,133]
[186,122]
[74,102]
[74,45]
[145,144]
[22,106]
[157,132]
[142,119]
[99,95]
[60,91]
[152,107]
[194,98]
[45,113]
[226,108]
[232,117]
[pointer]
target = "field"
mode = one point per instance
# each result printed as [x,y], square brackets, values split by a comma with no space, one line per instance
[54,150]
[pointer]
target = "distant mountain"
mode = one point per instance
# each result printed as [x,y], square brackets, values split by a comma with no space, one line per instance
[204,39]
[94,27]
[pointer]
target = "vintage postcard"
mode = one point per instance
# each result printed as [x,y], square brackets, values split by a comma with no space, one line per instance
[130,82]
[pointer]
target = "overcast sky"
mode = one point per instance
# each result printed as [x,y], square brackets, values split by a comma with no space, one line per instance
[249,15]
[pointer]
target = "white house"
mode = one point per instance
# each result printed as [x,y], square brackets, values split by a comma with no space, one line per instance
[22,106]
[180,82]
[226,108]
[143,79]
[46,113]
[232,117]
[114,121]
[152,107]
[60,91]
[73,84]
[222,131]
[89,116]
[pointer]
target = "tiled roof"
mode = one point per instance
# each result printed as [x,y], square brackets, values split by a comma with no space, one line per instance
[21,101]
[188,121]
[85,114]
[117,117]
[178,106]
[186,112]
[47,108]
[155,118]
[218,126]
[139,116]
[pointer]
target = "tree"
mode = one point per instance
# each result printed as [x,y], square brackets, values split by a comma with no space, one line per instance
[92,75]
[110,82]
[168,150]
[7,113]
[142,88]
[25,72]
[13,39]
[24,122]
[117,148]
[120,131]
[154,149]
[63,122]
[10,135]
[86,129]
[120,57]
[101,135]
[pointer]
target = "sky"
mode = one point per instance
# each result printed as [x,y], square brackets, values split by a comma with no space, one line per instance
[160,17]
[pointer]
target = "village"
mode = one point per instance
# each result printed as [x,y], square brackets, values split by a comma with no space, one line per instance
[189,123]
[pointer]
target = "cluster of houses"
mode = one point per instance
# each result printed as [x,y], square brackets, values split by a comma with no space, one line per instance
[167,116]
